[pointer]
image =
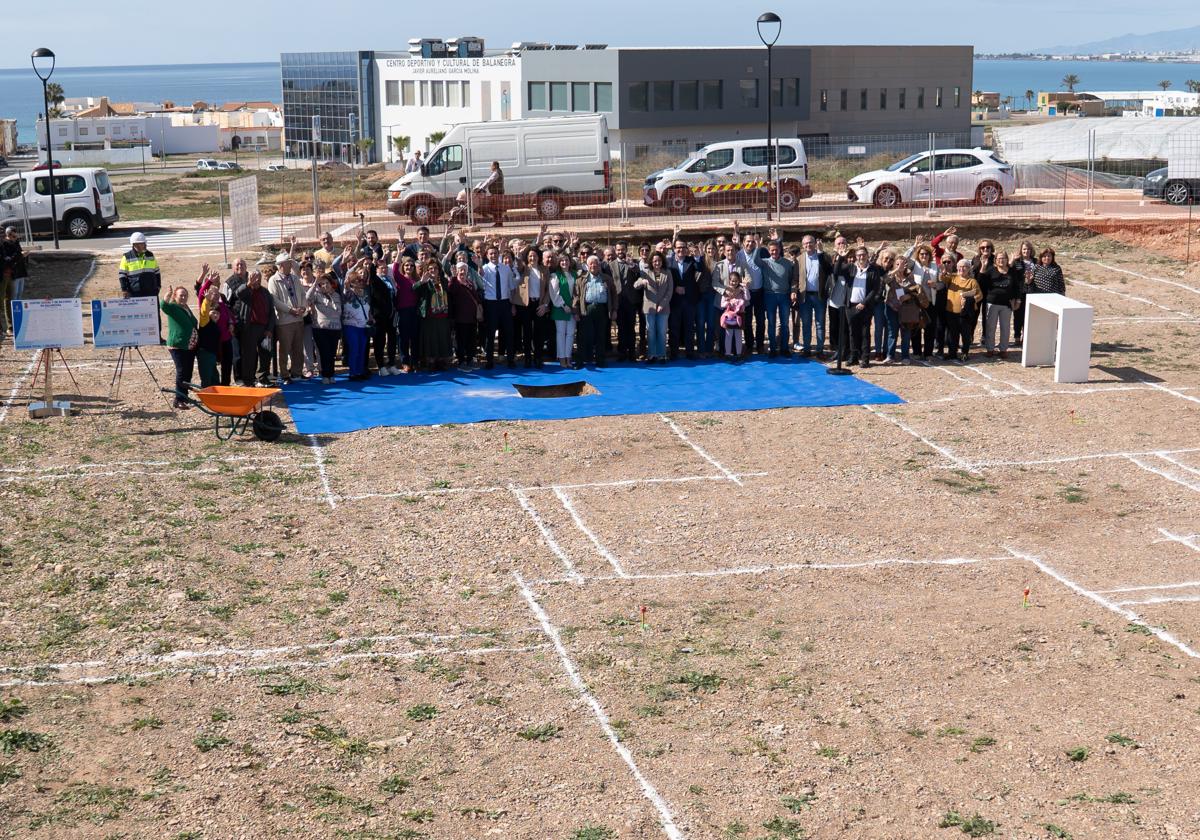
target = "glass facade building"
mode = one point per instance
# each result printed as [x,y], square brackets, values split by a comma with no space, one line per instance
[332,85]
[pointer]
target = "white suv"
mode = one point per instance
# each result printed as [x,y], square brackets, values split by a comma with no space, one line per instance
[943,175]
[731,173]
[208,164]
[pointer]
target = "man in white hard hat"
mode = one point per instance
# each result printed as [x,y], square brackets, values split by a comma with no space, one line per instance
[287,293]
[139,272]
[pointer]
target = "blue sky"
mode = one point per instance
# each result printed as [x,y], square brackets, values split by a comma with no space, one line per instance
[86,33]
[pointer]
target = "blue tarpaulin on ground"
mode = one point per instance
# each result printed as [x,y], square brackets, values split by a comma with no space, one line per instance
[423,399]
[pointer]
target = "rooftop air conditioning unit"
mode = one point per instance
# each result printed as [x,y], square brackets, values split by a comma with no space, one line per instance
[466,46]
[427,47]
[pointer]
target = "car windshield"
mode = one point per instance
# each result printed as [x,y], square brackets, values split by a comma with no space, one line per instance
[689,162]
[900,164]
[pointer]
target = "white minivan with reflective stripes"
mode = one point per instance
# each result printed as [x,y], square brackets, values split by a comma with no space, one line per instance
[732,173]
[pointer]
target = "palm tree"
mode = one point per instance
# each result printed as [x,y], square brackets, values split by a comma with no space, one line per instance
[1028,99]
[54,93]
[400,142]
[1069,81]
[1193,85]
[1164,84]
[435,137]
[364,146]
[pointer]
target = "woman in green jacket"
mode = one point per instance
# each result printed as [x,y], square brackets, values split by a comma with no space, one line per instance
[182,338]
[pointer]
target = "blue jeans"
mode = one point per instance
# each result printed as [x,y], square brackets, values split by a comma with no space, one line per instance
[893,330]
[810,305]
[778,305]
[356,349]
[656,327]
[879,317]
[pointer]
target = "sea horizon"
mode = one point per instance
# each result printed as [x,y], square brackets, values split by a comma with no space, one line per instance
[220,82]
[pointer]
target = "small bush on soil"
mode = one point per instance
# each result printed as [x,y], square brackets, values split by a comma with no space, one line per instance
[339,740]
[783,829]
[12,708]
[543,733]
[594,832]
[796,804]
[207,742]
[1121,741]
[395,784]
[1078,754]
[1057,831]
[422,711]
[975,826]
[12,740]
[697,682]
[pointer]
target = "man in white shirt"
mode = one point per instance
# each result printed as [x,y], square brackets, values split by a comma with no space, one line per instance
[414,163]
[813,271]
[755,317]
[498,281]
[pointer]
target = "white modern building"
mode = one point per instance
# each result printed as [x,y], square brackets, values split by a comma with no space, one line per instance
[1148,103]
[656,99]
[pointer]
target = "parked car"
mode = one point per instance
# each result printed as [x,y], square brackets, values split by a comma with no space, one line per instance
[42,166]
[208,164]
[942,175]
[731,173]
[548,163]
[333,164]
[1171,190]
[276,167]
[83,198]
[229,165]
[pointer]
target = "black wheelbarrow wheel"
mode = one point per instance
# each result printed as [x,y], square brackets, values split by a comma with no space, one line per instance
[267,426]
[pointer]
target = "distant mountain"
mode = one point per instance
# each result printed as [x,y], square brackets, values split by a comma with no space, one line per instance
[1171,40]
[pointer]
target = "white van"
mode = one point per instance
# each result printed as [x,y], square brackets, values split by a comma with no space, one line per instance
[731,173]
[83,198]
[547,163]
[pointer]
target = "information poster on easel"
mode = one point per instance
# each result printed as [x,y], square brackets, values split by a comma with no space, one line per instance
[125,322]
[44,324]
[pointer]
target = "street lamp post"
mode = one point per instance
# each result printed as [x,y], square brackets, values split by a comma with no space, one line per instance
[353,154]
[44,70]
[769,27]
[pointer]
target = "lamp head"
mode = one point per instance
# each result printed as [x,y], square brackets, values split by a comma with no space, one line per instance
[769,27]
[42,60]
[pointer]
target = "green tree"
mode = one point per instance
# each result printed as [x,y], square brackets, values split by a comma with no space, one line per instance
[401,142]
[1069,81]
[1029,96]
[1165,84]
[54,93]
[1193,85]
[364,147]
[436,137]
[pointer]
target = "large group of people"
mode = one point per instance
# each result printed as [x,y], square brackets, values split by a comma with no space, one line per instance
[386,309]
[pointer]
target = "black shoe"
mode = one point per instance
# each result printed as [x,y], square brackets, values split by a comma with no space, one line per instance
[866,364]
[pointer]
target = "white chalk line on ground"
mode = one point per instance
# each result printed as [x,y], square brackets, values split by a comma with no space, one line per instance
[665,817]
[976,369]
[1158,386]
[1148,319]
[1121,590]
[569,506]
[1190,540]
[991,390]
[230,670]
[682,436]
[1128,615]
[1049,392]
[16,388]
[551,543]
[1162,599]
[1181,481]
[533,488]
[1070,459]
[109,465]
[176,656]
[319,463]
[1189,315]
[1177,463]
[945,453]
[14,479]
[771,569]
[1183,286]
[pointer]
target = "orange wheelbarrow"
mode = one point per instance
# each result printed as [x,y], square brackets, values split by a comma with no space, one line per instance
[235,409]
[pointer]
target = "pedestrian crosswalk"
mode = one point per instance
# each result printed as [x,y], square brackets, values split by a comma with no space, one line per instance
[207,238]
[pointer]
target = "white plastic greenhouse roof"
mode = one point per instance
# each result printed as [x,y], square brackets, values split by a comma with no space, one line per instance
[1117,138]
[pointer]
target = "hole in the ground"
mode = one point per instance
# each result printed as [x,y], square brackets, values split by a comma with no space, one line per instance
[565,389]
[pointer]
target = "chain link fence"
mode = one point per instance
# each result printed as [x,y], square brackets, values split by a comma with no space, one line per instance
[903,180]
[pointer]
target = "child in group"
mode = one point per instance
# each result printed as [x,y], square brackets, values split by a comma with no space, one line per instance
[733,300]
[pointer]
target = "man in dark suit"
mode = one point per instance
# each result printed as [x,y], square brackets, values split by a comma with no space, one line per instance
[625,273]
[864,282]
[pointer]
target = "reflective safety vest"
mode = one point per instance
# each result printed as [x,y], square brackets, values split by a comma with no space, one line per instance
[139,274]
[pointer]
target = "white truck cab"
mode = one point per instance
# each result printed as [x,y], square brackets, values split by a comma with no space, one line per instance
[83,198]
[732,173]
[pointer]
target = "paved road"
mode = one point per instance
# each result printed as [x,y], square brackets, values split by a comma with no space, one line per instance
[820,212]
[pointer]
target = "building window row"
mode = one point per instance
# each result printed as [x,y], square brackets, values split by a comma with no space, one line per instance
[901,99]
[428,94]
[700,95]
[581,97]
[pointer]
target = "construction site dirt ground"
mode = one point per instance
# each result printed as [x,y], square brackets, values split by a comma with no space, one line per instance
[439,631]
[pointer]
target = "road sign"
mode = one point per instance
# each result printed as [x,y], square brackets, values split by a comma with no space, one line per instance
[243,211]
[316,130]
